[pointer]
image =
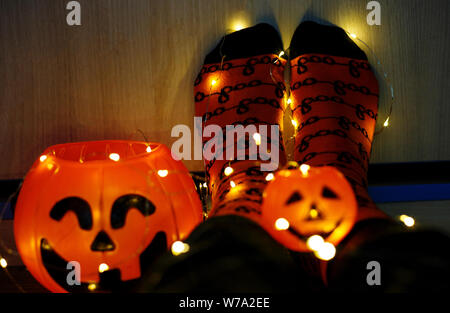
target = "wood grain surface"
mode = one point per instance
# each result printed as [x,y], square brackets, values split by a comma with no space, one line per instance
[132,63]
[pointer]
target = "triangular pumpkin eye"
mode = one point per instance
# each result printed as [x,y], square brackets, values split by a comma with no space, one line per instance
[296,196]
[328,193]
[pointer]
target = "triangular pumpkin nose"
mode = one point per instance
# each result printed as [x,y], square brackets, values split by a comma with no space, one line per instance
[102,242]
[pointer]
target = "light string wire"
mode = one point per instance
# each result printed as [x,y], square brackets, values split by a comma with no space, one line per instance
[205,200]
[287,97]
[284,90]
[386,79]
[287,90]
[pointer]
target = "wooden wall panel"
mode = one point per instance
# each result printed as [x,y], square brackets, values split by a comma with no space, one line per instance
[132,63]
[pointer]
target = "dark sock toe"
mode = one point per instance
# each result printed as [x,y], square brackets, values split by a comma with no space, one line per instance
[311,37]
[248,42]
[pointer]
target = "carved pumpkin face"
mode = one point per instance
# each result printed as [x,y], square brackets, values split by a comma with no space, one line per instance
[307,202]
[117,203]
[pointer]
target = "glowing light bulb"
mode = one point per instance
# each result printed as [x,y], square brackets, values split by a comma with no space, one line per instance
[315,242]
[213,82]
[257,138]
[386,122]
[45,245]
[238,26]
[407,220]
[3,263]
[232,184]
[304,168]
[228,171]
[270,177]
[163,173]
[92,286]
[313,213]
[149,149]
[281,54]
[353,35]
[289,101]
[326,251]
[42,158]
[281,224]
[103,267]
[294,123]
[114,156]
[179,247]
[284,173]
[205,185]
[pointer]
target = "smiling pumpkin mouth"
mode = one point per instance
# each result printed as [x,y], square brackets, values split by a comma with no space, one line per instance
[110,281]
[304,237]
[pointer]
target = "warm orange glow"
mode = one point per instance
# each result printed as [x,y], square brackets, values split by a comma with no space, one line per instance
[309,201]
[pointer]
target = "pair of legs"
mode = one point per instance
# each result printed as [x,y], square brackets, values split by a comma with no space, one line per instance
[334,102]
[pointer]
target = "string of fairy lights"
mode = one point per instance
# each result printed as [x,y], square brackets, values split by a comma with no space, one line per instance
[386,79]
[322,250]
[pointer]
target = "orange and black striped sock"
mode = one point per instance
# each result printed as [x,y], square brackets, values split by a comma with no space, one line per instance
[241,83]
[334,99]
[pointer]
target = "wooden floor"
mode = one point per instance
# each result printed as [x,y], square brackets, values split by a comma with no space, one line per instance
[132,63]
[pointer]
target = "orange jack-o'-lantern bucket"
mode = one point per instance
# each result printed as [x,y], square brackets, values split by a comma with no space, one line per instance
[309,201]
[111,206]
